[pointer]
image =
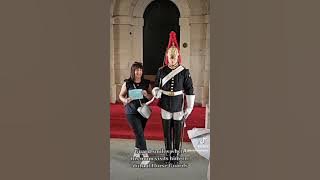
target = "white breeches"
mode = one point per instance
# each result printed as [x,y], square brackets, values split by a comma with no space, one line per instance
[168,115]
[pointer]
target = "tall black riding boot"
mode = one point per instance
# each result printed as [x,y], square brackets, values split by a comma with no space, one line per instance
[167,133]
[177,130]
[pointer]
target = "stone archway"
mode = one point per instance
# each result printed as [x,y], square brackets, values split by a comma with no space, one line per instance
[141,5]
[160,18]
[138,21]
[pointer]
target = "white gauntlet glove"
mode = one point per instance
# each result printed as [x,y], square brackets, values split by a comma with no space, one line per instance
[156,92]
[190,104]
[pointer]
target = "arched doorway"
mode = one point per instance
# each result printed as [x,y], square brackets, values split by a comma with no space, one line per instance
[160,17]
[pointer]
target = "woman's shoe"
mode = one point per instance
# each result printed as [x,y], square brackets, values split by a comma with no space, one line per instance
[167,156]
[136,153]
[174,158]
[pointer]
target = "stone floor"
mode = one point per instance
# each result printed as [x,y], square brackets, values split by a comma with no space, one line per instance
[193,166]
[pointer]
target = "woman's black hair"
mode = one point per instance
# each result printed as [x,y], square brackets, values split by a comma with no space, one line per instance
[134,66]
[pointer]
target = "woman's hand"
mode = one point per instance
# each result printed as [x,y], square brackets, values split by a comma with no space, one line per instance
[145,93]
[128,100]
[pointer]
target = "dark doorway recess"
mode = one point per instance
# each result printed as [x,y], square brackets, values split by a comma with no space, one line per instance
[160,17]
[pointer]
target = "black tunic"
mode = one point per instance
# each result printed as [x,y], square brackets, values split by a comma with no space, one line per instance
[181,81]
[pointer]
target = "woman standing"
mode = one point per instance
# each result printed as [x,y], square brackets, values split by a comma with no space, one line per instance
[136,121]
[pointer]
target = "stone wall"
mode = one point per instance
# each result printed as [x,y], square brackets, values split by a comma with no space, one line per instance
[126,45]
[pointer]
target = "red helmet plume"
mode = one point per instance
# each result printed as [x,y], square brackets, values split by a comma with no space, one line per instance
[172,42]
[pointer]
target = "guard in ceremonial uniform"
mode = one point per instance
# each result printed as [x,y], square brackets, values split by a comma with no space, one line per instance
[173,86]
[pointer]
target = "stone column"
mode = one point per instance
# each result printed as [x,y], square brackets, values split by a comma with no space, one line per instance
[185,38]
[198,55]
[137,43]
[207,76]
[112,78]
[122,32]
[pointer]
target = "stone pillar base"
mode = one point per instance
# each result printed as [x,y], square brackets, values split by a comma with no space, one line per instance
[113,94]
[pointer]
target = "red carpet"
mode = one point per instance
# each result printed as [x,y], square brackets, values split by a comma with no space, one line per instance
[119,127]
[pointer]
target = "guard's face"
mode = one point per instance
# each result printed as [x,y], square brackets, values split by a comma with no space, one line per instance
[173,56]
[138,73]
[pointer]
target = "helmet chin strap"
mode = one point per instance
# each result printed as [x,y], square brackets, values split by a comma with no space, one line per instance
[173,66]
